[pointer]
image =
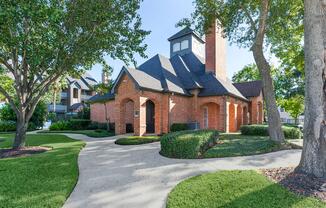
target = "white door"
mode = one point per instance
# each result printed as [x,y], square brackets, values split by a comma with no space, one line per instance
[205,117]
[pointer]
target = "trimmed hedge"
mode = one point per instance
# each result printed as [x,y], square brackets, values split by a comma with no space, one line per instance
[60,125]
[179,127]
[7,126]
[10,126]
[188,144]
[262,130]
[79,124]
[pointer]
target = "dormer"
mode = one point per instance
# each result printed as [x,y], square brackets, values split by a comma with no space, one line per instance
[186,41]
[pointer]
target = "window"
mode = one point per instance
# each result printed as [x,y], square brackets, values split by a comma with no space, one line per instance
[176,47]
[184,44]
[75,93]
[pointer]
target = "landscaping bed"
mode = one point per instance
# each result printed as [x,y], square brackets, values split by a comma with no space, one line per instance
[232,145]
[136,140]
[229,189]
[40,180]
[299,183]
[25,151]
[90,133]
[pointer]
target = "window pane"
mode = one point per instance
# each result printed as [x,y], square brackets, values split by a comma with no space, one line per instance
[176,47]
[184,44]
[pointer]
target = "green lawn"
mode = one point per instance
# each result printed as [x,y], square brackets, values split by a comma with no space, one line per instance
[231,145]
[136,140]
[236,189]
[90,133]
[41,180]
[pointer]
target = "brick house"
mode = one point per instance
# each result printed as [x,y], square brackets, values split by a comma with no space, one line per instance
[189,87]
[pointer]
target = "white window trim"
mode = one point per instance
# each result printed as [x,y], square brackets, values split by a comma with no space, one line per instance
[183,47]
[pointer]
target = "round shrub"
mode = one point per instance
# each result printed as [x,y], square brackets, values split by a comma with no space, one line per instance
[262,130]
[188,144]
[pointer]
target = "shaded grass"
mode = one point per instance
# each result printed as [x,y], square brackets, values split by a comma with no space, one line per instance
[230,189]
[136,140]
[231,145]
[41,180]
[90,133]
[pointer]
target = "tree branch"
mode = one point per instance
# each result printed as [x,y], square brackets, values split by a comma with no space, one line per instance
[251,20]
[11,101]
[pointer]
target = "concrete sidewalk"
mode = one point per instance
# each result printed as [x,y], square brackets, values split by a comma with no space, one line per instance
[139,177]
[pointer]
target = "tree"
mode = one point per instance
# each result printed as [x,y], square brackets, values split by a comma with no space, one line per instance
[7,84]
[294,106]
[313,159]
[104,88]
[250,23]
[41,41]
[56,88]
[248,73]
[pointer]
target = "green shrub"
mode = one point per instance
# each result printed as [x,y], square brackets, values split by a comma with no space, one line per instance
[60,125]
[79,124]
[85,113]
[188,144]
[38,117]
[7,126]
[179,127]
[262,130]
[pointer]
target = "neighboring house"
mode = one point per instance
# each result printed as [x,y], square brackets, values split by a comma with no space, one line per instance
[286,118]
[189,87]
[74,98]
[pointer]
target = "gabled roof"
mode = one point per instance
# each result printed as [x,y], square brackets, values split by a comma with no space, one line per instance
[184,32]
[250,89]
[86,81]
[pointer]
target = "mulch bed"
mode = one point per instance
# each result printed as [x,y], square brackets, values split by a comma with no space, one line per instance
[25,151]
[298,183]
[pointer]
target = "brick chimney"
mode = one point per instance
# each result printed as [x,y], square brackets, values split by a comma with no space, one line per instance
[216,51]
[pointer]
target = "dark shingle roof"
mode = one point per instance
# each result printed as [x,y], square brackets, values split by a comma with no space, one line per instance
[184,32]
[101,98]
[77,106]
[250,89]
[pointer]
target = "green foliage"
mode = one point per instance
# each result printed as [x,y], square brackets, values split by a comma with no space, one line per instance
[7,126]
[248,73]
[262,130]
[42,180]
[60,125]
[37,120]
[7,83]
[137,140]
[233,145]
[43,41]
[98,133]
[188,144]
[79,124]
[179,127]
[293,105]
[230,189]
[85,113]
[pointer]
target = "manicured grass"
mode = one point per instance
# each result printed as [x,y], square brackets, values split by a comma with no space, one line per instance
[90,133]
[241,189]
[231,145]
[40,180]
[136,140]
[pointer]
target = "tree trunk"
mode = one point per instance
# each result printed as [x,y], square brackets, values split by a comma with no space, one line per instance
[274,120]
[106,118]
[20,136]
[313,158]
[54,100]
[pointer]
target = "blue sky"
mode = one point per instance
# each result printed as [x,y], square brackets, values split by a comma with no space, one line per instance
[160,17]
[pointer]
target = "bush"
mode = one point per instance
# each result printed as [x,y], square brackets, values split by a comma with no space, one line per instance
[262,130]
[188,144]
[79,124]
[85,113]
[179,127]
[103,126]
[60,125]
[38,118]
[7,126]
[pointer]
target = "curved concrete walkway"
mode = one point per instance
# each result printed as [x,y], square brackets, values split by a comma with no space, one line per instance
[116,176]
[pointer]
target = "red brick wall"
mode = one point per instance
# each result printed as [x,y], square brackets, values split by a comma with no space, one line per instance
[256,110]
[98,112]
[180,109]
